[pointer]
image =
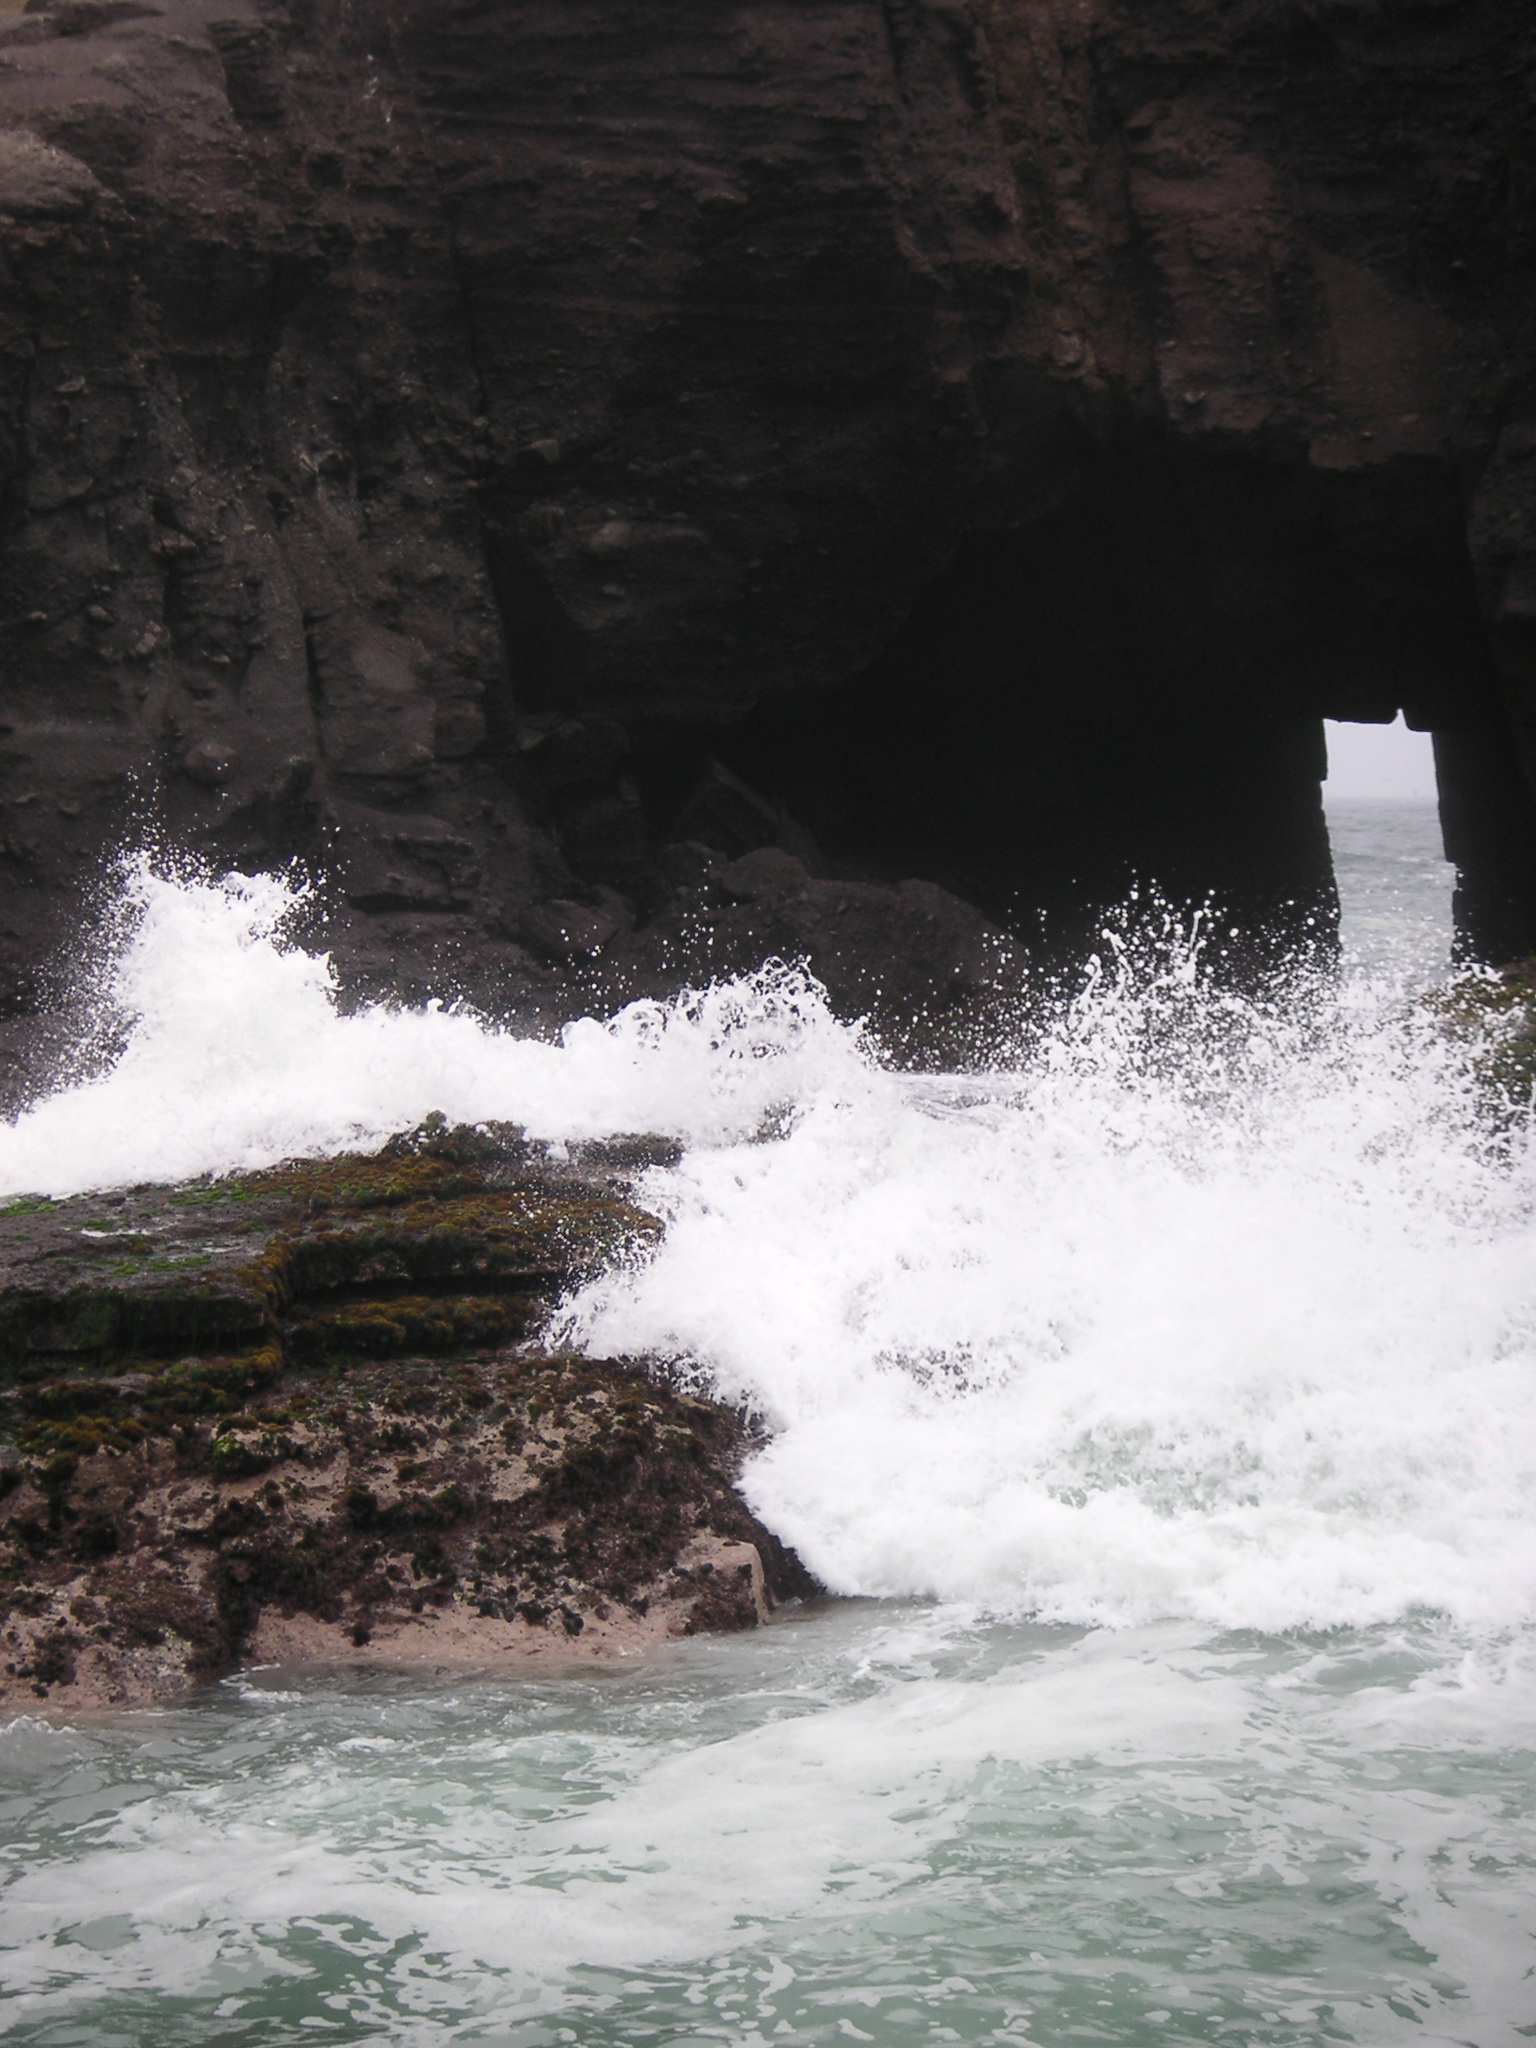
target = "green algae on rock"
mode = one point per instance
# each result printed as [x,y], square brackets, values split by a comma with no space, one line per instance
[366,1453]
[229,1265]
[1494,1013]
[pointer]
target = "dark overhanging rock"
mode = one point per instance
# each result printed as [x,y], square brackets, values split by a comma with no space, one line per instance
[1489,822]
[1042,771]
[1065,713]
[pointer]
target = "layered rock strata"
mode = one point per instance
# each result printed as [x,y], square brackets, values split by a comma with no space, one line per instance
[488,452]
[298,1415]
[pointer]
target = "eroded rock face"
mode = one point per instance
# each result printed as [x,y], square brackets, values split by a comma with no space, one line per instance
[487,1513]
[365,1454]
[484,451]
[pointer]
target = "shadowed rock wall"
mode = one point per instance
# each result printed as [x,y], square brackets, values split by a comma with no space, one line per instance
[490,451]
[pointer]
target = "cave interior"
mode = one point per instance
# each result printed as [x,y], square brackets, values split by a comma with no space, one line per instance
[1123,692]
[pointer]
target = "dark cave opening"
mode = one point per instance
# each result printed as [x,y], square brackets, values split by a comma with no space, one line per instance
[1124,691]
[1129,691]
[1030,751]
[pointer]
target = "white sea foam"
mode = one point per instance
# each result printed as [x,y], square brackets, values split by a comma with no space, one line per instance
[238,1056]
[871,1781]
[1247,1336]
[680,1849]
[1193,1310]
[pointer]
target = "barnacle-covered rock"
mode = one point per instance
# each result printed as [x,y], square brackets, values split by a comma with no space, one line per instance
[379,1460]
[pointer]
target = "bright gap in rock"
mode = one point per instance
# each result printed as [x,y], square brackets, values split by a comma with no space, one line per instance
[1367,761]
[1394,880]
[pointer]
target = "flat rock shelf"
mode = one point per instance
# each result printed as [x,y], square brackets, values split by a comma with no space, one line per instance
[304,1413]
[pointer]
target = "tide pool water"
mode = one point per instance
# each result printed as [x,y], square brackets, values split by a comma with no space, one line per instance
[1160,1406]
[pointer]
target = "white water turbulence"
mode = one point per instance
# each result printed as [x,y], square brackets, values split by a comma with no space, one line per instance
[1201,1311]
[238,1056]
[1168,1392]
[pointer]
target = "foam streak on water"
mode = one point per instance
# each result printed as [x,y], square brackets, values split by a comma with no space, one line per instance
[899,1824]
[1207,1329]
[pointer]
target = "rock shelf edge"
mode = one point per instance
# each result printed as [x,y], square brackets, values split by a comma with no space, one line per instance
[305,1414]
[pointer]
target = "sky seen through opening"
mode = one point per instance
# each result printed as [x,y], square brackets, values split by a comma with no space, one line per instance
[1379,761]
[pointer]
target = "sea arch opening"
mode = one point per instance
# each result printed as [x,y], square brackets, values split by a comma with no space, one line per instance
[1132,687]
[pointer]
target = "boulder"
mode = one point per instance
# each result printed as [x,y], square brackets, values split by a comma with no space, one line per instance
[305,1413]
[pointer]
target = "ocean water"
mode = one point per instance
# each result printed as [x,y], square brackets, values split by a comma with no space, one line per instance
[1158,1407]
[1394,886]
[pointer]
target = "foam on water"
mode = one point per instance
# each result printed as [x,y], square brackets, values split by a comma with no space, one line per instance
[1246,1336]
[817,1830]
[237,1056]
[1197,1309]
[1190,1310]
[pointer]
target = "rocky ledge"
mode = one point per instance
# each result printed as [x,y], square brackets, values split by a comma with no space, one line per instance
[305,1414]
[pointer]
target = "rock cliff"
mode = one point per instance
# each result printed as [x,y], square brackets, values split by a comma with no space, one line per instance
[525,460]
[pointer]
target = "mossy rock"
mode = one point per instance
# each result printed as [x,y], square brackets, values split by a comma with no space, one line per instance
[411,1324]
[180,1368]
[470,1227]
[1494,1015]
[516,1502]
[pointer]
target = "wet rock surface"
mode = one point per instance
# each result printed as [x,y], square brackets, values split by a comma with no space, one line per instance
[483,451]
[366,1454]
[1493,1017]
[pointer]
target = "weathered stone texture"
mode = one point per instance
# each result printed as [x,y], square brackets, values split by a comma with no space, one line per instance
[427,430]
[305,1413]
